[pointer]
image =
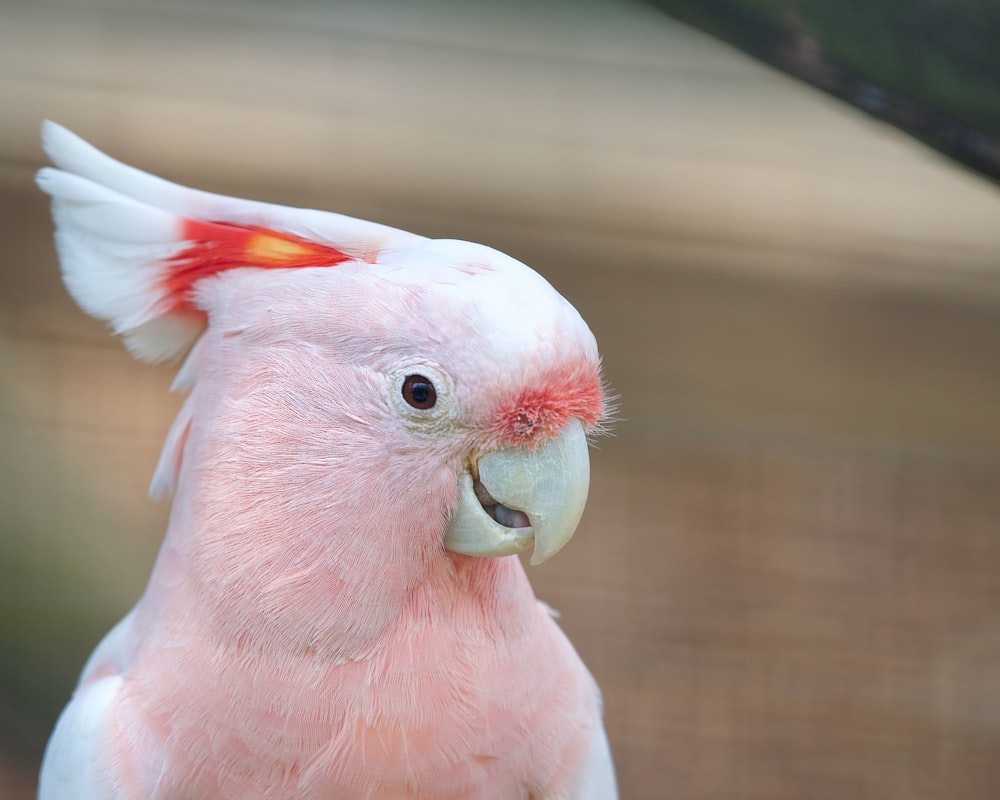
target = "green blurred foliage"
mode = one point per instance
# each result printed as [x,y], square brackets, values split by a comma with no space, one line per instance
[941,53]
[55,599]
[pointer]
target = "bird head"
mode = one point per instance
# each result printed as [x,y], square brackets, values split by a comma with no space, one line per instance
[364,402]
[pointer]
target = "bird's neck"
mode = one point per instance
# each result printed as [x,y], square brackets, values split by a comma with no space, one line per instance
[282,541]
[319,590]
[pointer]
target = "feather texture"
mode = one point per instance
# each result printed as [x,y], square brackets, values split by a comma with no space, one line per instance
[132,246]
[305,633]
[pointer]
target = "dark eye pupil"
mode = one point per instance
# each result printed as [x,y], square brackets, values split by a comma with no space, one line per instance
[419,392]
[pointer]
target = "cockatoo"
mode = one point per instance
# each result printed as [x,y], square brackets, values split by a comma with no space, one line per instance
[376,423]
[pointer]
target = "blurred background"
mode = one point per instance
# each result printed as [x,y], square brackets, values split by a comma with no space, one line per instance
[787,581]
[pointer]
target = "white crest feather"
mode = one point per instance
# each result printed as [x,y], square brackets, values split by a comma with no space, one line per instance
[117,228]
[112,250]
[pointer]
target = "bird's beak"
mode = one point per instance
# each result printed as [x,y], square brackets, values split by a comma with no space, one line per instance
[516,497]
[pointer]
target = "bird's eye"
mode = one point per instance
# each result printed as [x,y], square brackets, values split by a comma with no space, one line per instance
[419,392]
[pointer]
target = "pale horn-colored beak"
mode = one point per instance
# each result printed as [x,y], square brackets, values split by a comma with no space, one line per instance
[516,497]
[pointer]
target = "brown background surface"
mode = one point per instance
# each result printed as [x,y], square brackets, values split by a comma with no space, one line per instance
[788,577]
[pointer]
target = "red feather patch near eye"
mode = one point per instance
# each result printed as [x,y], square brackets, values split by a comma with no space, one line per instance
[540,410]
[218,246]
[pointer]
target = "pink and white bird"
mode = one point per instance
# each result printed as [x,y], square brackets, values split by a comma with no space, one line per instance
[376,422]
